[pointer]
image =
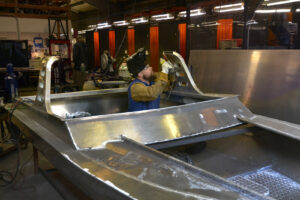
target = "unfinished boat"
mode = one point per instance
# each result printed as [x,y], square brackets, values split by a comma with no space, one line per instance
[113,154]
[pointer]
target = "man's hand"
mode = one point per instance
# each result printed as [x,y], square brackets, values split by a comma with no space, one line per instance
[165,66]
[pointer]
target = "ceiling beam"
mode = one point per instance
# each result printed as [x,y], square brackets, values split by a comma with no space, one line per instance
[149,6]
[25,15]
[207,3]
[59,1]
[34,7]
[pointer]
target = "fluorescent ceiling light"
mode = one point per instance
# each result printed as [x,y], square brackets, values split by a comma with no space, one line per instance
[265,11]
[251,22]
[139,20]
[282,2]
[193,13]
[162,17]
[92,26]
[81,32]
[213,23]
[230,10]
[84,31]
[142,21]
[120,23]
[229,7]
[103,25]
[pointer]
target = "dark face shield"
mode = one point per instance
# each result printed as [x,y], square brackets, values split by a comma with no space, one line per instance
[136,62]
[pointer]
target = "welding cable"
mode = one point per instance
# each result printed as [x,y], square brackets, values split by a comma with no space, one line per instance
[6,177]
[19,185]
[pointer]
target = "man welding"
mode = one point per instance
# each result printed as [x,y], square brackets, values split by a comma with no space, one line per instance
[144,92]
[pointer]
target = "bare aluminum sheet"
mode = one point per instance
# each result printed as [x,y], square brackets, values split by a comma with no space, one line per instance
[124,169]
[267,80]
[184,82]
[274,125]
[142,173]
[154,126]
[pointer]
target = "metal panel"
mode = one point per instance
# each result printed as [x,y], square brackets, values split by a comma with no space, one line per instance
[183,80]
[124,169]
[159,125]
[268,81]
[277,126]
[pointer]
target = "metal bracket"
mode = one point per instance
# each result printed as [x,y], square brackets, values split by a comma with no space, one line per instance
[43,97]
[183,82]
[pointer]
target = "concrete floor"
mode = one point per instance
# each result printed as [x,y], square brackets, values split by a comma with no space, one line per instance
[30,186]
[27,186]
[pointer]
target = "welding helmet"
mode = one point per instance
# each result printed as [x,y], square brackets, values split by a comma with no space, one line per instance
[137,62]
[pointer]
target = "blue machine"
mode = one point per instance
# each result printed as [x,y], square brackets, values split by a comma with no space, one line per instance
[11,83]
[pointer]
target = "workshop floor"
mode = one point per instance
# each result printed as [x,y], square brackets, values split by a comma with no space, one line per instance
[27,186]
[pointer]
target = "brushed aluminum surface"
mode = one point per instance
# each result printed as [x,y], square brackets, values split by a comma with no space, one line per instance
[268,81]
[124,169]
[95,153]
[159,125]
[183,81]
[277,126]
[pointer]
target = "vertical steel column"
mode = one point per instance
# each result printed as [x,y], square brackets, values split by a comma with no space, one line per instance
[188,34]
[96,49]
[131,41]
[49,27]
[112,42]
[182,39]
[154,48]
[245,33]
[224,31]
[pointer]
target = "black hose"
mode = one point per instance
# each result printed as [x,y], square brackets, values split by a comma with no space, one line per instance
[6,177]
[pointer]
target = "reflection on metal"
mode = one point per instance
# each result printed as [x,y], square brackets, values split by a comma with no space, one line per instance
[255,57]
[171,122]
[184,81]
[265,79]
[154,126]
[44,86]
[99,149]
[277,126]
[124,169]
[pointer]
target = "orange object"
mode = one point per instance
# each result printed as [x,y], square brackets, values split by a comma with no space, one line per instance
[182,39]
[224,30]
[239,42]
[290,16]
[154,48]
[131,41]
[272,39]
[96,50]
[112,43]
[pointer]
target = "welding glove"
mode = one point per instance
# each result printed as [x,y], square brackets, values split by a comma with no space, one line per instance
[165,66]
